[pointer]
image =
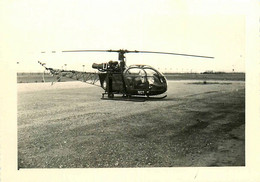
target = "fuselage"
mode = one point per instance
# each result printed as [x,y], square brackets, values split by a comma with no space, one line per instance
[135,80]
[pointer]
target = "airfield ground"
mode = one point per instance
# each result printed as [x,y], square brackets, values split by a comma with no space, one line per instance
[67,126]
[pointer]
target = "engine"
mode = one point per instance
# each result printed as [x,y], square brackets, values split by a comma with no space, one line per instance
[110,66]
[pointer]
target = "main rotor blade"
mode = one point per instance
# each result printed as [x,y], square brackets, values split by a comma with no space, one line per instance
[171,53]
[126,51]
[91,51]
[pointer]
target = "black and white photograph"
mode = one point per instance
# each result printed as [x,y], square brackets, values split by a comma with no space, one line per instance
[141,89]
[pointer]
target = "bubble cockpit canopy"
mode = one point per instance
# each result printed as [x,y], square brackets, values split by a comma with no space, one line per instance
[145,77]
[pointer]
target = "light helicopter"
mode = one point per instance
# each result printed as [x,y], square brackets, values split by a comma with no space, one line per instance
[118,79]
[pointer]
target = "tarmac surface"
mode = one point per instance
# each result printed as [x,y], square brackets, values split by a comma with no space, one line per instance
[67,125]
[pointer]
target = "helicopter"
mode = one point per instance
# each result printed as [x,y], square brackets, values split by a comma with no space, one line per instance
[117,78]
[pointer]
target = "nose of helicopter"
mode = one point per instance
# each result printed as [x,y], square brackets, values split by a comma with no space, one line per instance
[158,85]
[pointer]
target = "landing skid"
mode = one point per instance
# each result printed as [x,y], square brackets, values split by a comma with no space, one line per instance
[156,98]
[132,98]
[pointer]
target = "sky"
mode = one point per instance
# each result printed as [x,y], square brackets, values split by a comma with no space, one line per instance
[208,28]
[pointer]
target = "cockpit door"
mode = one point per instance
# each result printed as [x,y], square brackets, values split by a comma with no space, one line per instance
[136,80]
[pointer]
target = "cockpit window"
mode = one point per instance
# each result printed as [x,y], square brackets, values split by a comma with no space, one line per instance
[135,78]
[135,72]
[152,76]
[150,72]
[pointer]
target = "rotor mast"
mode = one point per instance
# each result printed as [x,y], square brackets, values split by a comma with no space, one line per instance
[121,58]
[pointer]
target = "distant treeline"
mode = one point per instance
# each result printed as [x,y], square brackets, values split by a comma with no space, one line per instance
[38,77]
